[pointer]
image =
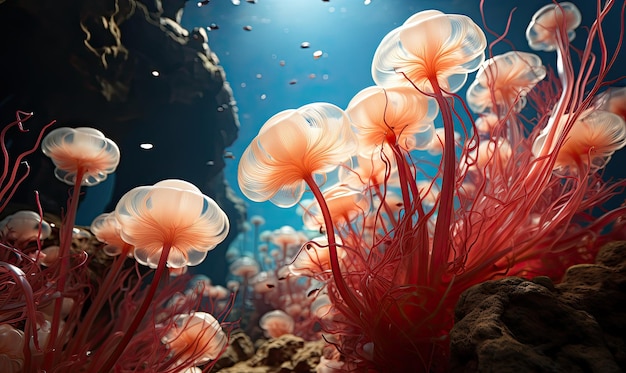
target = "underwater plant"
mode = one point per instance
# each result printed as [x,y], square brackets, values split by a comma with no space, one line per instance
[513,197]
[71,303]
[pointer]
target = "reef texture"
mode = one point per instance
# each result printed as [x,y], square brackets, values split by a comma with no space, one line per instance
[517,325]
[93,63]
[287,353]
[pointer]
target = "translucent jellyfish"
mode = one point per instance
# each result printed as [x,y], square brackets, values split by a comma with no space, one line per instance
[292,147]
[196,337]
[83,151]
[276,323]
[11,349]
[345,206]
[172,213]
[23,227]
[430,47]
[612,100]
[106,228]
[245,267]
[552,22]
[591,142]
[313,259]
[503,81]
[391,115]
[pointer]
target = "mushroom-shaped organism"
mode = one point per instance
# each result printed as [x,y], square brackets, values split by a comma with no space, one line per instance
[313,258]
[171,214]
[23,227]
[244,267]
[292,147]
[374,170]
[612,100]
[430,47]
[553,24]
[389,116]
[106,228]
[503,81]
[436,145]
[345,206]
[81,153]
[11,349]
[276,323]
[195,338]
[591,142]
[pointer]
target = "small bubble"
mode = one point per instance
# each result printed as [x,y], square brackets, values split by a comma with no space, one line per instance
[305,44]
[325,76]
[213,26]
[155,73]
[220,109]
[263,96]
[235,2]
[243,85]
[259,76]
[317,54]
[367,2]
[282,63]
[312,76]
[247,28]
[331,9]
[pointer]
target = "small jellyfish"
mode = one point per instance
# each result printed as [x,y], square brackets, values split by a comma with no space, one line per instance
[317,54]
[305,45]
[247,28]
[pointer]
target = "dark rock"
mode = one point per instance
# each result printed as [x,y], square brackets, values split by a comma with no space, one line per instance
[517,325]
[91,63]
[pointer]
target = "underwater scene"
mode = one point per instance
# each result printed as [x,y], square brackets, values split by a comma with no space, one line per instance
[312,186]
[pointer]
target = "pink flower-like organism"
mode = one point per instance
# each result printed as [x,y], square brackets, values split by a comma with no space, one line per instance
[196,337]
[394,115]
[81,153]
[173,214]
[23,227]
[276,323]
[593,138]
[107,229]
[502,82]
[345,205]
[312,260]
[291,148]
[430,48]
[11,349]
[553,24]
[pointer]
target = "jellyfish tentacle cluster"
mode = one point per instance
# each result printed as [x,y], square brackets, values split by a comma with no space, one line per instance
[510,195]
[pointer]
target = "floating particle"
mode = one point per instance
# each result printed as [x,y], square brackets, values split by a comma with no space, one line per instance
[293,81]
[213,26]
[263,96]
[155,73]
[259,76]
[146,146]
[282,63]
[326,1]
[235,2]
[367,2]
[210,163]
[243,85]
[325,76]
[220,109]
[229,155]
[305,44]
[312,76]
[247,28]
[251,1]
[317,54]
[202,3]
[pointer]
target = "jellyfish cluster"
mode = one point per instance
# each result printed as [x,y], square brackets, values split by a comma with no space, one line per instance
[114,297]
[512,194]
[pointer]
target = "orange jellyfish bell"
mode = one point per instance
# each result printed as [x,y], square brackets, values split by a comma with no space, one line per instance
[196,337]
[546,25]
[81,149]
[430,45]
[175,213]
